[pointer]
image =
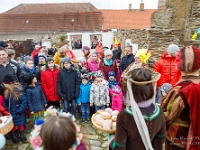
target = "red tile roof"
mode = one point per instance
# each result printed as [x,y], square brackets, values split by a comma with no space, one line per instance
[52,8]
[51,17]
[123,19]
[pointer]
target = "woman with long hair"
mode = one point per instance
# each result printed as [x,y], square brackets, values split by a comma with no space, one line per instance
[15,103]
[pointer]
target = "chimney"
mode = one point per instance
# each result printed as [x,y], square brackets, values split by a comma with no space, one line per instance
[130,7]
[141,6]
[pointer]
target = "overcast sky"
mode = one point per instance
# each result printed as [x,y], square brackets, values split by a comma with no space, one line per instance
[100,4]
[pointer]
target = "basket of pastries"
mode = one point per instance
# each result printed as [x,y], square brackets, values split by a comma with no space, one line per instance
[6,124]
[105,120]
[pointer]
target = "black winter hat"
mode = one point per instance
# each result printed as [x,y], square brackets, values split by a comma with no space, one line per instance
[3,44]
[8,79]
[29,78]
[49,59]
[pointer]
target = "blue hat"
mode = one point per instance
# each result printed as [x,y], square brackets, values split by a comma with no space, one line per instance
[42,55]
[95,53]
[111,73]
[63,60]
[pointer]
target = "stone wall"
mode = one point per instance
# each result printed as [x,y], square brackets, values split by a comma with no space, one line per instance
[156,40]
[194,17]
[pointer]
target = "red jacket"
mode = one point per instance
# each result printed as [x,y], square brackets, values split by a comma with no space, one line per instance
[3,111]
[35,52]
[167,67]
[49,84]
[105,69]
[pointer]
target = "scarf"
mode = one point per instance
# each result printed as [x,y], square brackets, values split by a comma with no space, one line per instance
[87,55]
[138,117]
[30,70]
[108,62]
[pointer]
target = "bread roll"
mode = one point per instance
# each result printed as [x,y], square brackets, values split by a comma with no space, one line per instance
[109,110]
[105,115]
[97,117]
[115,113]
[114,125]
[100,122]
[107,124]
[100,111]
[114,118]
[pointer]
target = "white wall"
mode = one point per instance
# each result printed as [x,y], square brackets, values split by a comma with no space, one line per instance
[107,37]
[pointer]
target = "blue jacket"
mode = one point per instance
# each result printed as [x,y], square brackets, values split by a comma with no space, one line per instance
[35,98]
[84,96]
[112,83]
[17,109]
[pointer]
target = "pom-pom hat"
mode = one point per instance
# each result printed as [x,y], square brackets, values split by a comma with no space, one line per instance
[111,73]
[85,76]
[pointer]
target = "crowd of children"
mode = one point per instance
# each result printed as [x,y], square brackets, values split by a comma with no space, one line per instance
[91,83]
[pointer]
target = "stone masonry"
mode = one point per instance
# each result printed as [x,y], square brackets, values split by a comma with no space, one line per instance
[174,22]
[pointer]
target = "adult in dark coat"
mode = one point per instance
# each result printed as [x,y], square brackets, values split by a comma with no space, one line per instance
[69,85]
[127,59]
[7,66]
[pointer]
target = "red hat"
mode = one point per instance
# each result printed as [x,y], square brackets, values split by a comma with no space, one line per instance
[188,59]
[85,64]
[118,44]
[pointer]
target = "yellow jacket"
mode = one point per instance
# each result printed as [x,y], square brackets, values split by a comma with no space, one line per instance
[57,59]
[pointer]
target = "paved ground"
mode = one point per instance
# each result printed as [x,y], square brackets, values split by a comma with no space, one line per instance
[95,139]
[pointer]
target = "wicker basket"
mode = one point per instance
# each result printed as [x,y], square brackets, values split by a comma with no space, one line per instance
[112,131]
[7,127]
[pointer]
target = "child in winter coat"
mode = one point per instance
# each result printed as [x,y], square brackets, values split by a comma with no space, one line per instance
[28,69]
[69,85]
[35,98]
[15,103]
[112,79]
[93,64]
[84,68]
[99,94]
[117,97]
[49,78]
[84,98]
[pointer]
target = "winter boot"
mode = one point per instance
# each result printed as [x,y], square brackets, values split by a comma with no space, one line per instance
[8,136]
[14,138]
[22,136]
